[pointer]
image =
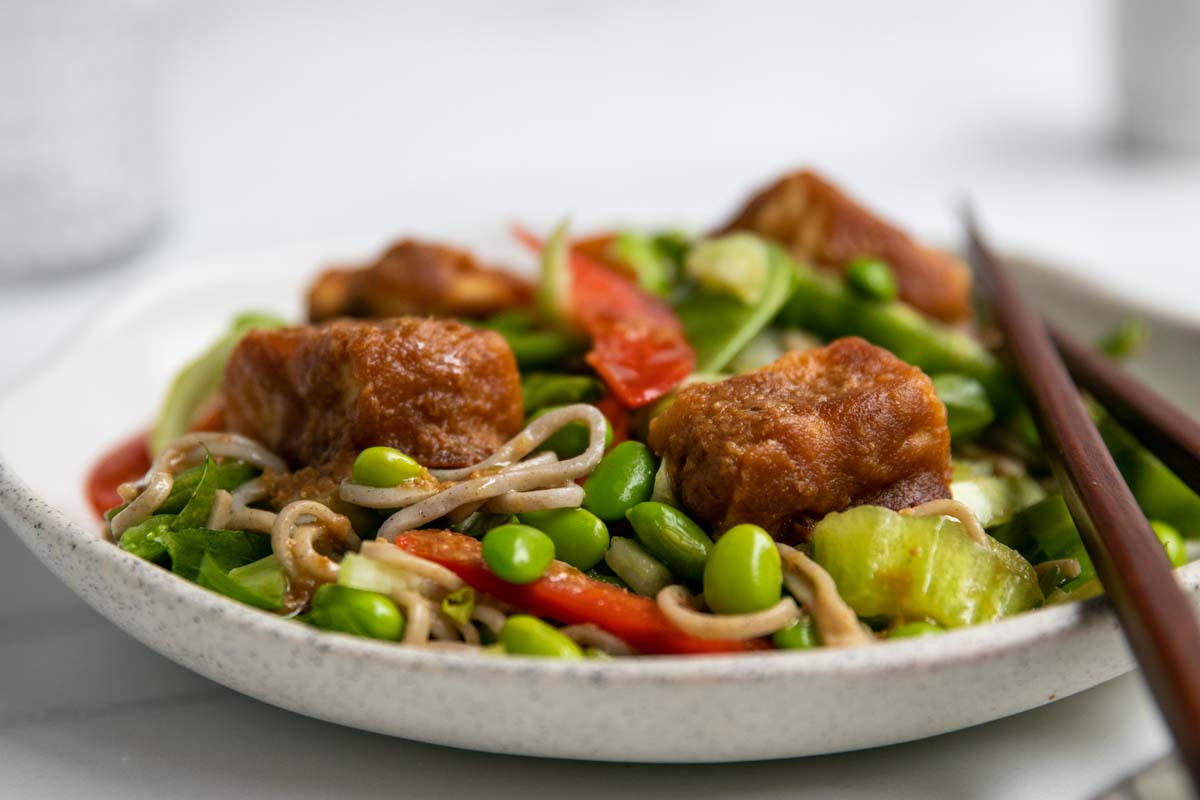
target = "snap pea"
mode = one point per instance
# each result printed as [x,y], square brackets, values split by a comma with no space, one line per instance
[824,305]
[384,467]
[744,572]
[737,265]
[622,479]
[542,389]
[968,410]
[571,439]
[1159,492]
[517,553]
[672,537]
[580,537]
[356,611]
[800,635]
[872,279]
[640,571]
[911,630]
[719,325]
[526,635]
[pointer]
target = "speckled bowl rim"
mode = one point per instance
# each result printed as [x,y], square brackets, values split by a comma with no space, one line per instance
[19,504]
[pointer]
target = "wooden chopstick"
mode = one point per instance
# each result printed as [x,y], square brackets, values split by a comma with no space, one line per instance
[1156,615]
[1161,427]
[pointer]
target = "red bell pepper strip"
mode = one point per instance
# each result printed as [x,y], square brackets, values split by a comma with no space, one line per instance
[125,462]
[567,595]
[638,344]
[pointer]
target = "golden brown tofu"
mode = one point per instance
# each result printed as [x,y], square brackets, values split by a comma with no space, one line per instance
[814,432]
[438,390]
[416,278]
[821,224]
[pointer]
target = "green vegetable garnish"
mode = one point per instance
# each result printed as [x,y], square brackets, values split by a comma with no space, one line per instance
[917,567]
[639,570]
[260,584]
[199,505]
[142,539]
[229,549]
[554,288]
[719,325]
[653,258]
[911,630]
[197,383]
[993,499]
[737,265]
[968,410]
[459,605]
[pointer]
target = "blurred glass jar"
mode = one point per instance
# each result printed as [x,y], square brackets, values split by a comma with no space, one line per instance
[80,179]
[1158,51]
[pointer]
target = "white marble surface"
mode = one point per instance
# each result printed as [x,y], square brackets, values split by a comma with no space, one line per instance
[300,121]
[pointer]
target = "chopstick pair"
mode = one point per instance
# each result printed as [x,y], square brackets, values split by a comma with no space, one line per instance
[1154,612]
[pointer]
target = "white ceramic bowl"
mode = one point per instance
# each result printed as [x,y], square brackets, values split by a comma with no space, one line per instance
[669,709]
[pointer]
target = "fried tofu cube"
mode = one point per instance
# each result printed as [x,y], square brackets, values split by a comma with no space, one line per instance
[444,393]
[814,432]
[819,223]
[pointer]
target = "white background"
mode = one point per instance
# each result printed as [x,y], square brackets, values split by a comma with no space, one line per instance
[287,122]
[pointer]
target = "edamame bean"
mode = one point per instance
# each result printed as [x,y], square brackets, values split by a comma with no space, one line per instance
[622,479]
[743,573]
[356,611]
[672,537]
[580,537]
[1171,541]
[526,635]
[800,635]
[517,553]
[871,278]
[911,630]
[572,439]
[384,467]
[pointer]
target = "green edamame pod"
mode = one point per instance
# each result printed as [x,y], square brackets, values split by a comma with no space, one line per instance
[672,537]
[622,479]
